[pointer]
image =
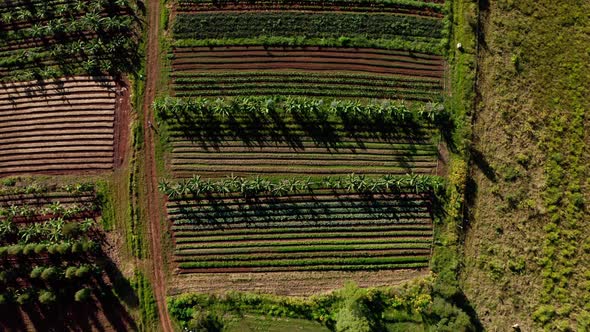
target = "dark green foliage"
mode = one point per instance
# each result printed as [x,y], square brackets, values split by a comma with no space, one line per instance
[29,249]
[324,25]
[36,272]
[40,248]
[82,295]
[24,298]
[64,248]
[83,271]
[50,274]
[71,272]
[47,297]
[71,230]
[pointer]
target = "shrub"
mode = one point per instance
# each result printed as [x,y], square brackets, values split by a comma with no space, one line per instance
[82,295]
[3,299]
[23,298]
[64,248]
[4,277]
[40,248]
[70,230]
[49,274]
[36,272]
[16,249]
[53,249]
[29,249]
[83,271]
[77,248]
[90,246]
[46,296]
[71,272]
[3,251]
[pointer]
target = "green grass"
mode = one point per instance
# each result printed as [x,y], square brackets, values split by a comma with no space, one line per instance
[259,323]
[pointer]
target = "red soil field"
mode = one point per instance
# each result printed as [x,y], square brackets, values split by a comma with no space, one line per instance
[62,126]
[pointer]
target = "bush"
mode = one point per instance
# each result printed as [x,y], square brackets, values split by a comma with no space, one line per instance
[49,274]
[36,272]
[70,230]
[3,299]
[83,271]
[71,272]
[82,295]
[16,249]
[53,249]
[90,246]
[23,298]
[77,248]
[4,277]
[29,249]
[3,251]
[64,248]
[40,248]
[47,297]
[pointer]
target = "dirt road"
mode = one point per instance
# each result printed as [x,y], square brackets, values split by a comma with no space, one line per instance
[152,199]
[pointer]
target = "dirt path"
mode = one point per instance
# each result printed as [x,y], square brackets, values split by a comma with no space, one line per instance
[152,58]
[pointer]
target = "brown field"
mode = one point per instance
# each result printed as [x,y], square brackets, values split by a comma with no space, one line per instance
[62,126]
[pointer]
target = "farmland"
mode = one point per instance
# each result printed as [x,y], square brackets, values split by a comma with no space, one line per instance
[41,39]
[297,136]
[51,252]
[62,125]
[300,142]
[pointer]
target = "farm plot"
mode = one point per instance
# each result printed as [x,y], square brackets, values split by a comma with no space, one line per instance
[298,136]
[51,260]
[309,71]
[325,230]
[42,39]
[311,25]
[420,8]
[56,126]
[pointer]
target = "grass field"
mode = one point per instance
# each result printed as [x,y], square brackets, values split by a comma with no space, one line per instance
[526,251]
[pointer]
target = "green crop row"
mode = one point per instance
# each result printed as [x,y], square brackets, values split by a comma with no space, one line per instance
[195,237]
[302,243]
[203,222]
[307,262]
[425,221]
[306,248]
[196,187]
[332,215]
[432,46]
[379,4]
[256,76]
[304,111]
[318,25]
[304,255]
[187,232]
[184,83]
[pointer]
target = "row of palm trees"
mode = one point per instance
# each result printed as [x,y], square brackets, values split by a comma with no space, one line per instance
[257,186]
[51,231]
[56,209]
[304,108]
[43,10]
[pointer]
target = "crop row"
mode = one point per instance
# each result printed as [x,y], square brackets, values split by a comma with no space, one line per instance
[307,262]
[187,251]
[51,40]
[394,6]
[324,25]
